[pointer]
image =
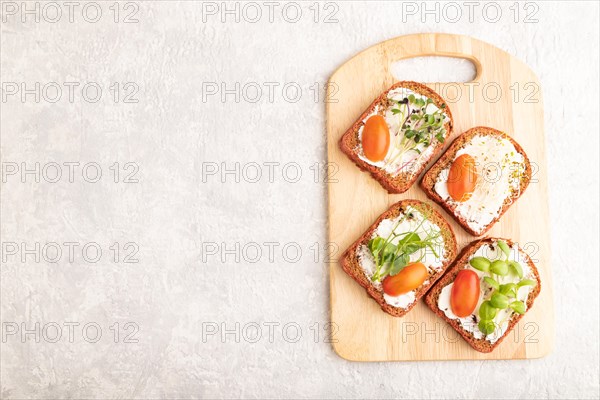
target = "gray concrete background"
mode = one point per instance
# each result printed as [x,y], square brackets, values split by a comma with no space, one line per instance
[182,302]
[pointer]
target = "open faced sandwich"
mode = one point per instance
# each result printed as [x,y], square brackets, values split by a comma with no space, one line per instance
[486,292]
[398,134]
[477,179]
[401,255]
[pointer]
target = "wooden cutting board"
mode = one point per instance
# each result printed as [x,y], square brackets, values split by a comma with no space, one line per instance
[505,95]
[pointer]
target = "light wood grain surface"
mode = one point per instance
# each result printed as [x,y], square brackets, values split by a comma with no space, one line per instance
[505,95]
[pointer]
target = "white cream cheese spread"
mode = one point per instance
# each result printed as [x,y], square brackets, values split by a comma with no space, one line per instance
[396,160]
[499,168]
[421,227]
[502,319]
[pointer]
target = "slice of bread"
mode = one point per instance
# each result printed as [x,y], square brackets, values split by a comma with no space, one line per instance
[350,142]
[351,261]
[481,344]
[479,213]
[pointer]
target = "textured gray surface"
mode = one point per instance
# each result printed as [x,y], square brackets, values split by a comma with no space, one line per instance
[177,294]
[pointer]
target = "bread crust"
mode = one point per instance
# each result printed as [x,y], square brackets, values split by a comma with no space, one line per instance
[431,299]
[430,177]
[351,264]
[403,181]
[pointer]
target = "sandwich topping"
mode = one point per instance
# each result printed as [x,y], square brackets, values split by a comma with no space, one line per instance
[489,291]
[401,135]
[483,175]
[401,255]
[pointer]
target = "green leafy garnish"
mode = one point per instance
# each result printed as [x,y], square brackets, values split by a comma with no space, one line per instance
[504,247]
[392,258]
[480,263]
[516,268]
[416,126]
[399,263]
[376,245]
[503,294]
[499,267]
[518,307]
[527,282]
[492,282]
[487,327]
[487,311]
[499,300]
[508,289]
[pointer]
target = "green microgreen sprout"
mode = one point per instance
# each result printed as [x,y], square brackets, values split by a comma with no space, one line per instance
[516,268]
[518,307]
[480,263]
[503,295]
[492,282]
[416,126]
[499,267]
[392,258]
[504,247]
[498,300]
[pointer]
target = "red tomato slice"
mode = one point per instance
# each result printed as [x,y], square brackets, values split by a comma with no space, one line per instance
[410,278]
[375,138]
[462,178]
[465,293]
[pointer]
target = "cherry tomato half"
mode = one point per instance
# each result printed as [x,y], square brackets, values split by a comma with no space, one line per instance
[465,293]
[375,138]
[410,278]
[462,178]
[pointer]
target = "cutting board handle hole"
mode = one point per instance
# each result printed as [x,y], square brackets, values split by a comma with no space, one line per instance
[434,69]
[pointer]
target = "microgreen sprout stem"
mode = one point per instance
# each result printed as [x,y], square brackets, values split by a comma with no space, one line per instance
[505,294]
[418,127]
[391,258]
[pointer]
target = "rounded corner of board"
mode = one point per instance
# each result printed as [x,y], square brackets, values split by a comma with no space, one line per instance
[344,353]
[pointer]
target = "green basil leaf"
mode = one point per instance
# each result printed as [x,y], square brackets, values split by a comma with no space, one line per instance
[405,259]
[412,248]
[398,265]
[409,238]
[527,282]
[487,311]
[518,307]
[492,282]
[487,327]
[499,300]
[480,263]
[499,267]
[504,247]
[516,268]
[376,244]
[509,289]
[388,257]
